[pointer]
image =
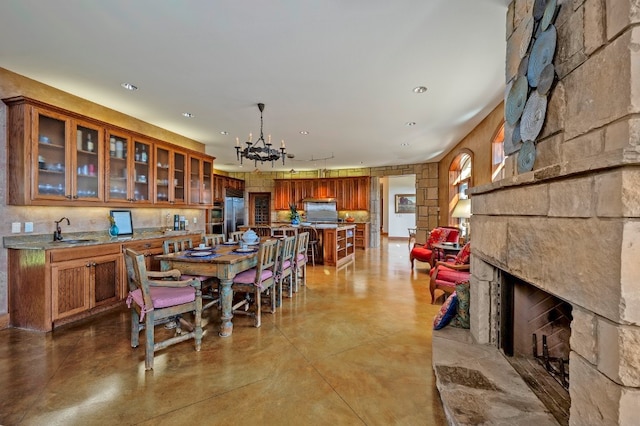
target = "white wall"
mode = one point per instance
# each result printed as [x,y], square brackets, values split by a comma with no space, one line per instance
[396,224]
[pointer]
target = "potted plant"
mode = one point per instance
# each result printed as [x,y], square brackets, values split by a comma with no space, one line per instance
[294,216]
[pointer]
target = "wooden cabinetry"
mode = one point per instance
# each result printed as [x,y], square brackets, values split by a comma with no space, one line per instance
[339,245]
[61,158]
[350,193]
[221,183]
[362,235]
[84,283]
[150,248]
[48,287]
[200,180]
[171,170]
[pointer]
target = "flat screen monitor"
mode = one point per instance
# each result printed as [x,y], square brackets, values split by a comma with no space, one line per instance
[123,221]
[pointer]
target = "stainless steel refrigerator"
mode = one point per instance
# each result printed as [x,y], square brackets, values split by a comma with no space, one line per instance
[233,210]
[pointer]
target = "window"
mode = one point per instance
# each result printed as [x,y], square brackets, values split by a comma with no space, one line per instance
[459,184]
[497,155]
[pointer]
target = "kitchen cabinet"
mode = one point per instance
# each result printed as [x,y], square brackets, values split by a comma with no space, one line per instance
[221,183]
[338,245]
[47,168]
[351,193]
[200,181]
[150,248]
[62,158]
[48,288]
[128,169]
[362,235]
[170,173]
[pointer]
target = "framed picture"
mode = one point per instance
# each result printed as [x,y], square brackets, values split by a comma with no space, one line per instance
[405,203]
[123,221]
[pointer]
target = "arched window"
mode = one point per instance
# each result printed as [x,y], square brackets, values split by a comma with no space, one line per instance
[459,184]
[497,155]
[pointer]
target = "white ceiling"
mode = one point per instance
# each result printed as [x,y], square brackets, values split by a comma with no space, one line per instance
[343,70]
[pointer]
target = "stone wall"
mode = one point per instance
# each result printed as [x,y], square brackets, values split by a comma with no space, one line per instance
[572,225]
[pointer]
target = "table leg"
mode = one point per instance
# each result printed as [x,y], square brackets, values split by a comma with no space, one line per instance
[226,327]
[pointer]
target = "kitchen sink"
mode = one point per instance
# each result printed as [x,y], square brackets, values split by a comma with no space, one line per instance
[78,241]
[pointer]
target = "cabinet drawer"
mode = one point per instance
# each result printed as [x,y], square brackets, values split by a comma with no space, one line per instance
[61,255]
[141,246]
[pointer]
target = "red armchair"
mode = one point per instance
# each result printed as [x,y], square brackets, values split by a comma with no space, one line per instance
[424,252]
[455,269]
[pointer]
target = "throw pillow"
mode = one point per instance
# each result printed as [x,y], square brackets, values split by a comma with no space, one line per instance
[461,318]
[463,256]
[447,312]
[437,235]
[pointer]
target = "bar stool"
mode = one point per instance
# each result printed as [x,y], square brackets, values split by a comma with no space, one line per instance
[313,242]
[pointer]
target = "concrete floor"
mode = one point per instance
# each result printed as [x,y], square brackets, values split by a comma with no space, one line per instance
[353,347]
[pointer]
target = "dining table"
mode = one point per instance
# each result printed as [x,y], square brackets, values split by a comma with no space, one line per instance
[223,261]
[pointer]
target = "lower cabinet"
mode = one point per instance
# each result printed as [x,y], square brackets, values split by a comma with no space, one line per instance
[150,248]
[338,245]
[85,280]
[81,285]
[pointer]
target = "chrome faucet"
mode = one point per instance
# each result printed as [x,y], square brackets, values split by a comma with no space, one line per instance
[57,234]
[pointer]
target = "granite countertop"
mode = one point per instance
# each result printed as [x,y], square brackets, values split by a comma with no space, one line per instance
[45,241]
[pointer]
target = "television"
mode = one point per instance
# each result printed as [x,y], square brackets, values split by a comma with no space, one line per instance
[123,221]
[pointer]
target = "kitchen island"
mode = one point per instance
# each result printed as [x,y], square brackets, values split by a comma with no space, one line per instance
[338,244]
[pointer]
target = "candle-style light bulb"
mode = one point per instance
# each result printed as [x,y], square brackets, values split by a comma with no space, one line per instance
[282,144]
[269,139]
[250,135]
[237,141]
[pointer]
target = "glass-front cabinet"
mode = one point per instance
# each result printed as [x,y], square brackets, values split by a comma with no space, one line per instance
[128,172]
[201,181]
[170,176]
[66,170]
[118,170]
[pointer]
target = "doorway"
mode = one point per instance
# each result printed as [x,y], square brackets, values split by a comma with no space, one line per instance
[259,208]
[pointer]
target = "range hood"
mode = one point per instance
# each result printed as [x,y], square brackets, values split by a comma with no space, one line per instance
[321,209]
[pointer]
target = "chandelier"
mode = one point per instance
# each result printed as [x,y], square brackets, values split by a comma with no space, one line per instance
[260,150]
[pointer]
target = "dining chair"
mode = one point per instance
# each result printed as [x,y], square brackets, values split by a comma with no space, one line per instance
[284,231]
[446,274]
[154,300]
[210,285]
[412,236]
[284,269]
[262,230]
[211,240]
[236,236]
[300,260]
[258,280]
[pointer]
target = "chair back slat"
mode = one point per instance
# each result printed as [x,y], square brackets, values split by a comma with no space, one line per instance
[137,275]
[176,245]
[302,244]
[236,236]
[267,259]
[287,252]
[211,240]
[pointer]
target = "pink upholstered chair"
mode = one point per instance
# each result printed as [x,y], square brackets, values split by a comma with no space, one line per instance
[258,280]
[446,274]
[284,270]
[154,302]
[300,260]
[425,252]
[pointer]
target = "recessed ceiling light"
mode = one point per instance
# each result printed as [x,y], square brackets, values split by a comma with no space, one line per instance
[224,133]
[129,86]
[410,123]
[188,115]
[304,132]
[404,144]
[419,89]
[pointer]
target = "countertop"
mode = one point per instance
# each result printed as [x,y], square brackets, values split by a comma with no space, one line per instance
[45,241]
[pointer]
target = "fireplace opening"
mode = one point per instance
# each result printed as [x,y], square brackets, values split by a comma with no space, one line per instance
[535,331]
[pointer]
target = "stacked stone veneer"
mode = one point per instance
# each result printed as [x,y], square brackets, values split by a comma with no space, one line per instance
[572,226]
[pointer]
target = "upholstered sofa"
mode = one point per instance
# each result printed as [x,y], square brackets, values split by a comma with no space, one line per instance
[424,252]
[446,274]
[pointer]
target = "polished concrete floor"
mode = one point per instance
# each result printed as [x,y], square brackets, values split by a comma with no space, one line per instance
[353,347]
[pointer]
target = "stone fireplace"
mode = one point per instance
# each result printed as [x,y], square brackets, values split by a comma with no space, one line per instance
[571,226]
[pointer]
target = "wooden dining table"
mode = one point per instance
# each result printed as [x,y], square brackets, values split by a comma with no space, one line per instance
[224,263]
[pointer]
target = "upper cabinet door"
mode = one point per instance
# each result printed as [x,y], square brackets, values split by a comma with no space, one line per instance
[52,159]
[170,174]
[207,182]
[118,167]
[88,162]
[179,178]
[195,180]
[142,172]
